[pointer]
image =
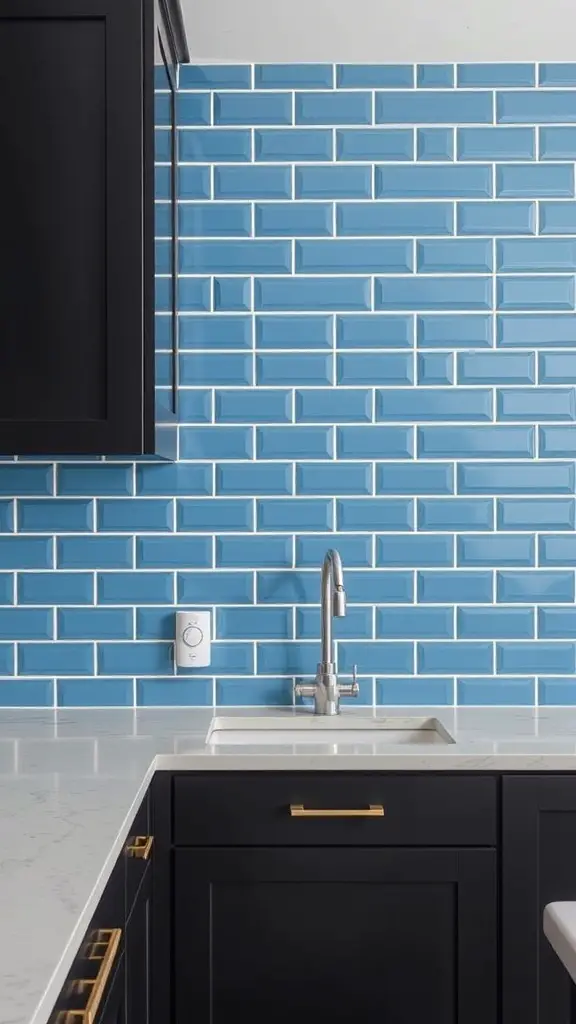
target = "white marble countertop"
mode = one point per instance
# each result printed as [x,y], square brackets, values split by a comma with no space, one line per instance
[71,781]
[559,924]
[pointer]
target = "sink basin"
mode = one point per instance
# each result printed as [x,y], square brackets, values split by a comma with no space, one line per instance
[342,731]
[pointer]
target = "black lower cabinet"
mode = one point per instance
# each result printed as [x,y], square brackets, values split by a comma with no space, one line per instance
[539,867]
[138,960]
[114,1008]
[335,934]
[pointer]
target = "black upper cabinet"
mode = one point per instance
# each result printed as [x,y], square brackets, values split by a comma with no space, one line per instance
[77,241]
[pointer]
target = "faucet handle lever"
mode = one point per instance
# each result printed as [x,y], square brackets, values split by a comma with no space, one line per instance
[351,689]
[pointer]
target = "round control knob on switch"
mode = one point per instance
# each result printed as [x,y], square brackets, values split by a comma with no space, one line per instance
[192,636]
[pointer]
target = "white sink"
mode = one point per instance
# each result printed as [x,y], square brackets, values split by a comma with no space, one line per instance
[342,730]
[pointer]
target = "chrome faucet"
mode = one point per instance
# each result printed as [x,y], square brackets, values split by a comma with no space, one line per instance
[326,689]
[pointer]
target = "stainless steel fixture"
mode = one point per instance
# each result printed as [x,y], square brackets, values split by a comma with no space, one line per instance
[326,689]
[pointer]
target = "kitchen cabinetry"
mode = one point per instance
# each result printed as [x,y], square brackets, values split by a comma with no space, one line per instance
[77,243]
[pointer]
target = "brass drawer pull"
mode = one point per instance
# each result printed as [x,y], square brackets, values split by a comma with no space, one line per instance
[141,847]
[103,946]
[372,811]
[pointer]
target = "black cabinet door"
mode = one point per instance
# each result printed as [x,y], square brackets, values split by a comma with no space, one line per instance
[539,866]
[138,944]
[71,244]
[114,1008]
[340,934]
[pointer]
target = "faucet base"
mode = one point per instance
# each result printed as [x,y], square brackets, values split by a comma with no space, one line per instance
[326,690]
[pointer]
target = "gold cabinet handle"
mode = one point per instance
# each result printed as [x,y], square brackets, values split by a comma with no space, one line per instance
[141,847]
[103,946]
[372,811]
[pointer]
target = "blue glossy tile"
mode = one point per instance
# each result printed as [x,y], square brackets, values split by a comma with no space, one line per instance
[25,553]
[557,74]
[232,294]
[516,478]
[374,76]
[173,552]
[253,406]
[496,143]
[26,693]
[51,515]
[95,624]
[374,331]
[127,516]
[492,76]
[214,515]
[379,587]
[374,368]
[56,659]
[557,623]
[455,514]
[536,404]
[7,658]
[220,442]
[193,295]
[219,144]
[245,108]
[454,256]
[534,180]
[435,368]
[320,108]
[384,657]
[414,551]
[228,657]
[558,549]
[502,218]
[284,370]
[319,294]
[92,552]
[257,691]
[19,479]
[26,624]
[337,478]
[191,109]
[331,405]
[557,142]
[525,293]
[374,442]
[395,219]
[557,442]
[534,254]
[536,331]
[539,657]
[434,658]
[252,183]
[557,691]
[448,181]
[368,256]
[7,585]
[333,182]
[235,257]
[508,549]
[287,587]
[293,76]
[557,368]
[414,623]
[171,692]
[302,144]
[287,659]
[154,624]
[495,623]
[93,480]
[301,332]
[434,144]
[53,588]
[415,478]
[209,588]
[213,332]
[453,332]
[557,218]
[534,106]
[374,144]
[430,76]
[293,514]
[496,368]
[471,587]
[441,404]
[488,442]
[432,107]
[194,406]
[176,479]
[414,691]
[535,514]
[253,552]
[132,588]
[215,76]
[220,219]
[138,658]
[294,442]
[254,623]
[494,691]
[193,183]
[253,478]
[294,219]
[356,625]
[355,550]
[430,293]
[94,693]
[394,514]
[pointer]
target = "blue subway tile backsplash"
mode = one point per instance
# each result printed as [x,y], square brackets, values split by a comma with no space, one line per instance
[377,325]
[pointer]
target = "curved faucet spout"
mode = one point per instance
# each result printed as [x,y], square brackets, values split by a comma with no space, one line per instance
[333,603]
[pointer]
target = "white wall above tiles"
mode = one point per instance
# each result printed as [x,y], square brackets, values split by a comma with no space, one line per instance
[380,30]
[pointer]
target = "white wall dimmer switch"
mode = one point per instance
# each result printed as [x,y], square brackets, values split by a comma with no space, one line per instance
[193,639]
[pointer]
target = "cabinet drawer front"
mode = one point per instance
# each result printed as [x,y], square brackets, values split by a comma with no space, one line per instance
[138,852]
[253,809]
